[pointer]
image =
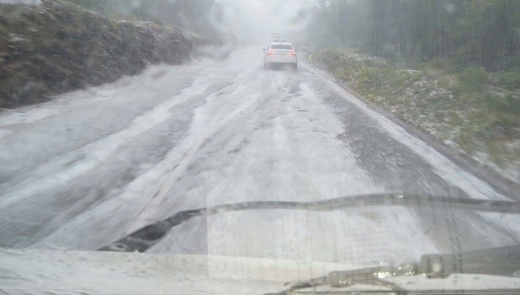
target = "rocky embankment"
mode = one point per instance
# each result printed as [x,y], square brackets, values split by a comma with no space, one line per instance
[48,47]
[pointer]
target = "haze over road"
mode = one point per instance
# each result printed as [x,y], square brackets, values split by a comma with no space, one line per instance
[94,165]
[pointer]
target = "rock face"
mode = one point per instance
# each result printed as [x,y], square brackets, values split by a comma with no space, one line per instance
[48,47]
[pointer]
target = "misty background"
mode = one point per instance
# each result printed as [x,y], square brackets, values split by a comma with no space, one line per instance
[241,21]
[464,32]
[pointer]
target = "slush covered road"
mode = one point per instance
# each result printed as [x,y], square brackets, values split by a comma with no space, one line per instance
[93,165]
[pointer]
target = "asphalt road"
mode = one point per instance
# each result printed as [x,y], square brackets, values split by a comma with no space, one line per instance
[94,165]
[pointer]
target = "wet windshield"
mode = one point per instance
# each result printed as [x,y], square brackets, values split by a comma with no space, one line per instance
[158,142]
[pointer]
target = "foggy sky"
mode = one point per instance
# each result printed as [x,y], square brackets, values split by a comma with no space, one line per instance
[255,20]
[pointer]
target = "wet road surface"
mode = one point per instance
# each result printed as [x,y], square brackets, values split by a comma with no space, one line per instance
[94,165]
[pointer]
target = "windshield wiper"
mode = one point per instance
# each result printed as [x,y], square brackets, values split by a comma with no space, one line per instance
[503,261]
[146,237]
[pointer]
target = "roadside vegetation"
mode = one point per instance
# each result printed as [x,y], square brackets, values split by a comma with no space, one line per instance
[198,17]
[463,33]
[474,111]
[448,67]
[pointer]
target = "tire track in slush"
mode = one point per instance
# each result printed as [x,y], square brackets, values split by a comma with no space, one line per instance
[144,192]
[97,151]
[283,166]
[251,99]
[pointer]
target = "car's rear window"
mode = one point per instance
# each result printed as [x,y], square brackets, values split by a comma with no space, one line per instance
[281,46]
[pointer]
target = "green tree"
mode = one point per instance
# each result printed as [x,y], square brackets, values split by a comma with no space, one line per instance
[466,32]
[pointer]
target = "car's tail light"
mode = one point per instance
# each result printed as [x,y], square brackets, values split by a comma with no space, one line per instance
[270,52]
[293,53]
